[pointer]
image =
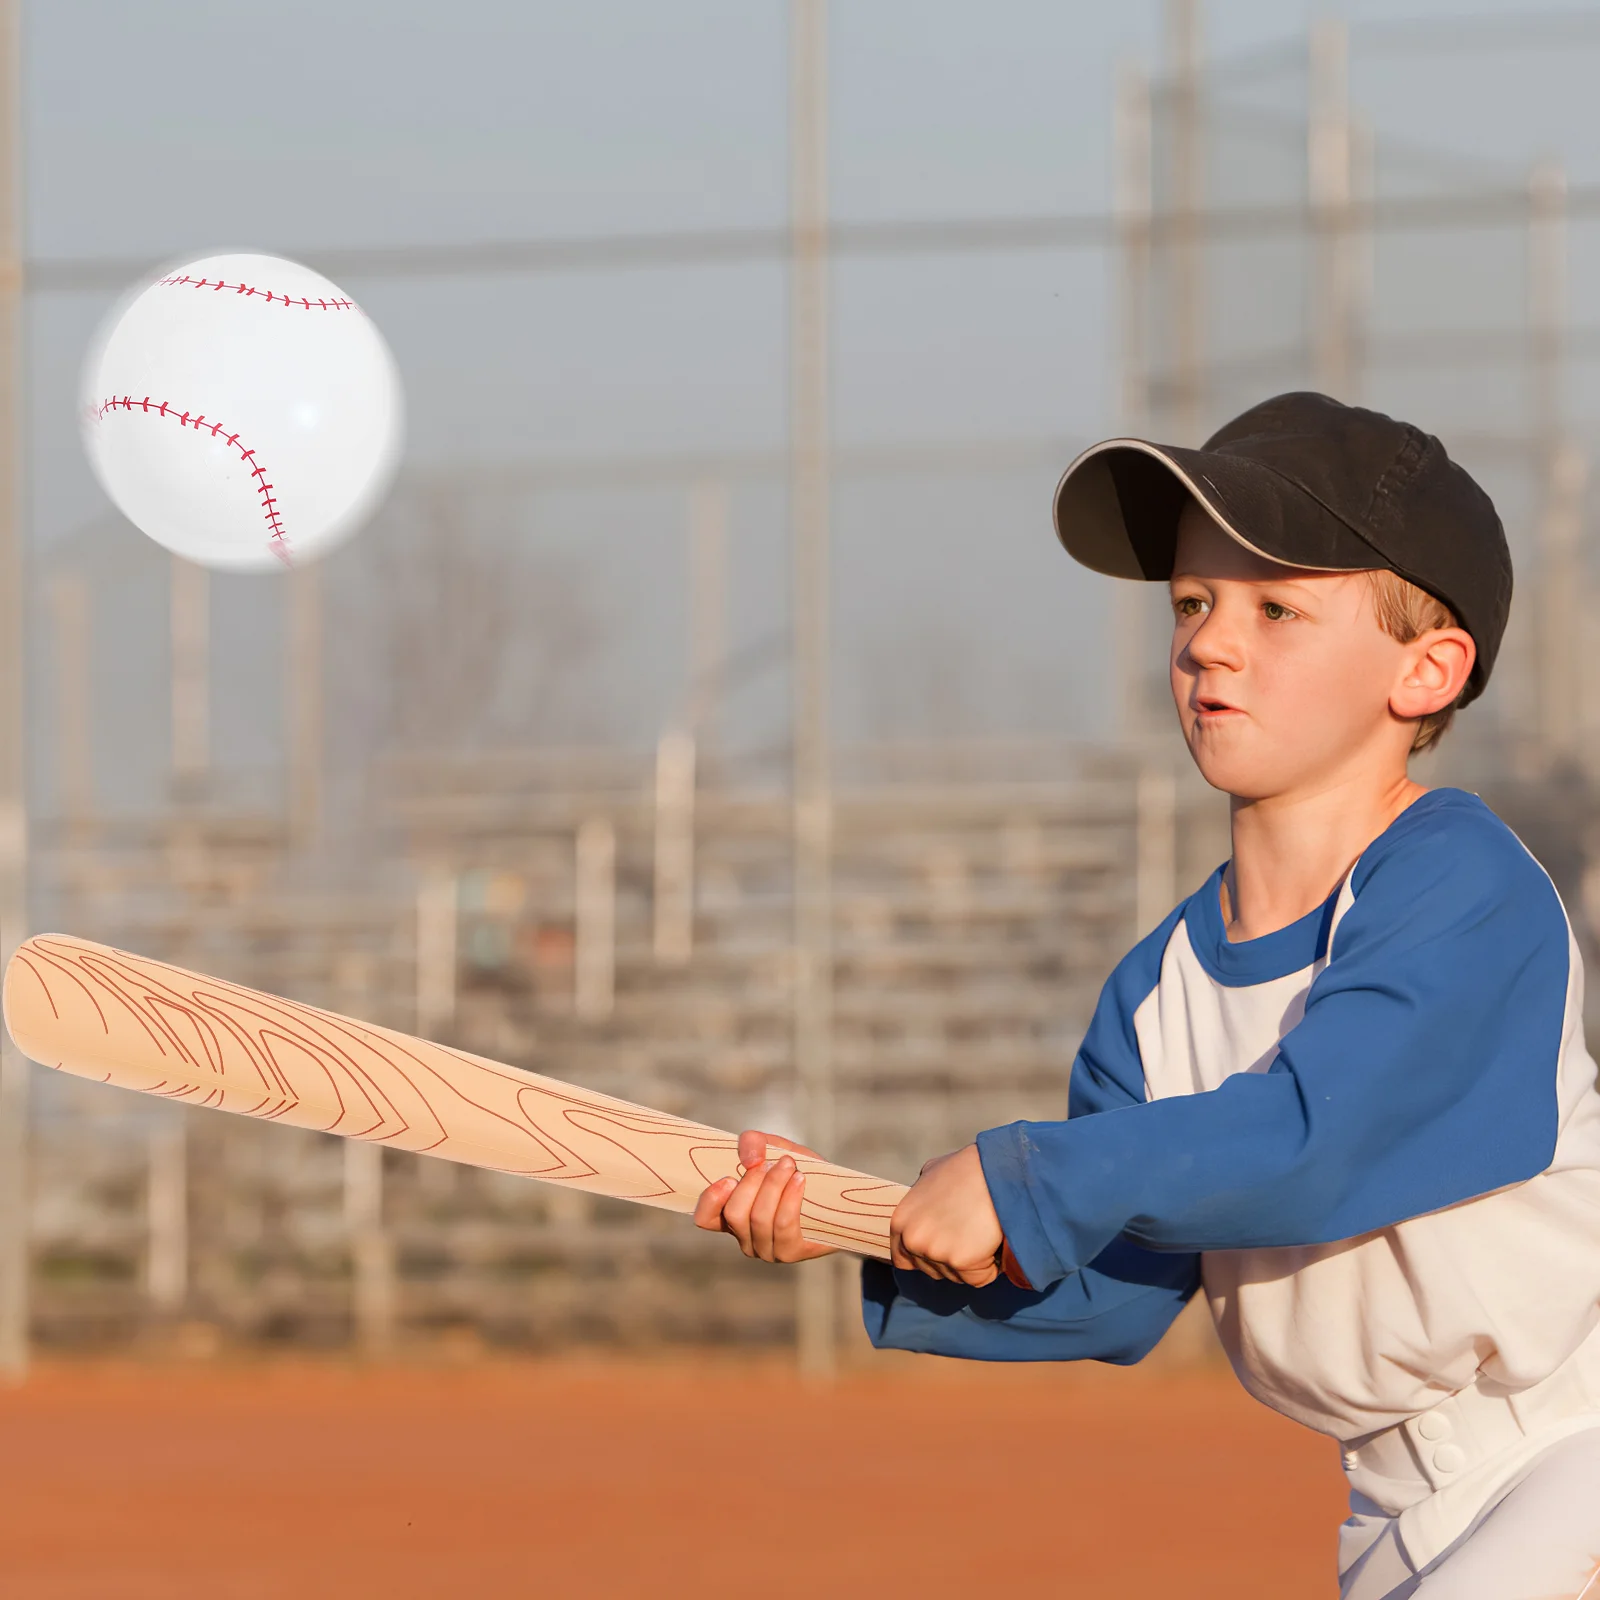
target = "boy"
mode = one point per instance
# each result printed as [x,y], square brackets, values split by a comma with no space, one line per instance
[1343,1087]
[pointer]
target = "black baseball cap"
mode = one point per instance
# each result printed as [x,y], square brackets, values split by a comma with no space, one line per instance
[1308,481]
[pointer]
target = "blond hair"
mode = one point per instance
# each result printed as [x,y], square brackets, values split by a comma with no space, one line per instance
[1405,612]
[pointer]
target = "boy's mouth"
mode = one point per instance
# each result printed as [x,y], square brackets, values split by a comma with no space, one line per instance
[1208,708]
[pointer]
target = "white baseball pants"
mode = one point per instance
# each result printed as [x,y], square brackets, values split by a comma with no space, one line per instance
[1540,1540]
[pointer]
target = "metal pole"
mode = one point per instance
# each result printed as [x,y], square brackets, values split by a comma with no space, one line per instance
[189,624]
[594,961]
[436,953]
[1361,241]
[305,702]
[674,849]
[1558,660]
[166,1267]
[372,1265]
[1330,152]
[1563,663]
[71,607]
[1156,846]
[808,513]
[1188,196]
[1547,296]
[708,612]
[1131,202]
[14,1067]
[1131,608]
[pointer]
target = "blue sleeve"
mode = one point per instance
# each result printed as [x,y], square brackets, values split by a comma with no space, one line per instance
[1114,1310]
[1118,1306]
[1423,1073]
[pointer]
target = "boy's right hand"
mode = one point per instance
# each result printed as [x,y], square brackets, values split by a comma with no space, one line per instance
[761,1209]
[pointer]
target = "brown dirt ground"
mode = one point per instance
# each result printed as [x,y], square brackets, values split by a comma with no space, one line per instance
[121,1482]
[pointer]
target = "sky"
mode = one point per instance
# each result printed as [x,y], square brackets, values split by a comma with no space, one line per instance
[162,130]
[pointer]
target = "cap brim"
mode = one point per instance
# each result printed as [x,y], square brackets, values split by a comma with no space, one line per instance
[1117,509]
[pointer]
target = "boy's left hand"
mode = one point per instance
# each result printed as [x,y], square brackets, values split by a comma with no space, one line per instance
[946,1225]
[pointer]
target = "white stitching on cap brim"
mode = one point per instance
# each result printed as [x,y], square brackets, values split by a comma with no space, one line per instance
[1183,477]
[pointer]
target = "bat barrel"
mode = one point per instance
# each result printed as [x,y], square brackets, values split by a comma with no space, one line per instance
[118,1018]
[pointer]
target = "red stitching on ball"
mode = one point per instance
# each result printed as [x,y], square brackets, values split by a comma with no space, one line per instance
[183,280]
[278,542]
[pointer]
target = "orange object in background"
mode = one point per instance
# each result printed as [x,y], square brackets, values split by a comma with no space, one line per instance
[669,1479]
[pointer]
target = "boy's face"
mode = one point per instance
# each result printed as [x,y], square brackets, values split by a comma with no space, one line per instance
[1283,679]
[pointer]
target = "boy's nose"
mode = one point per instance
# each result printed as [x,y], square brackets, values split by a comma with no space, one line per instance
[1215,643]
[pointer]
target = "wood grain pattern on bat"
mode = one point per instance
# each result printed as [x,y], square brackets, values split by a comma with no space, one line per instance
[119,1018]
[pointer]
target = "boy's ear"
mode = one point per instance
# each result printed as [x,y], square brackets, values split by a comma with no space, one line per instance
[1438,664]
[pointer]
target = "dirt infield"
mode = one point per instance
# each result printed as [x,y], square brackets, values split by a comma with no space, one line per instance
[126,1482]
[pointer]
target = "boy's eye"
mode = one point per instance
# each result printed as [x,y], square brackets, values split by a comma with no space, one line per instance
[1188,605]
[1274,611]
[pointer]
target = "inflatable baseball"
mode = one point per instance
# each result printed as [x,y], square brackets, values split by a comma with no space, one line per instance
[243,412]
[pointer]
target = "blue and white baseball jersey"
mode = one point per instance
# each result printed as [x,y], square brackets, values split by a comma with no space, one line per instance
[1372,1138]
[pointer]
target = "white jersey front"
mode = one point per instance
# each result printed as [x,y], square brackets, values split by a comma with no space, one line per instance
[1372,1138]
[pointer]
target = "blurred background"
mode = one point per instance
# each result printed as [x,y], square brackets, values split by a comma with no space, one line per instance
[709,717]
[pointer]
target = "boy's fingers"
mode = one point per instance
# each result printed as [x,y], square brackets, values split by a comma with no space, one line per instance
[708,1208]
[754,1145]
[933,1267]
[909,1260]
[736,1209]
[786,1219]
[761,1208]
[765,1208]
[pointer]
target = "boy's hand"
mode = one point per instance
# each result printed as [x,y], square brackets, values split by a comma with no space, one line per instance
[946,1226]
[761,1209]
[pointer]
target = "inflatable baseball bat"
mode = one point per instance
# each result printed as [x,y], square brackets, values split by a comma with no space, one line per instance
[119,1018]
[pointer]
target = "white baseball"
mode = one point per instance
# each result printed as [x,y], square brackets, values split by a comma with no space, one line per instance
[243,412]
